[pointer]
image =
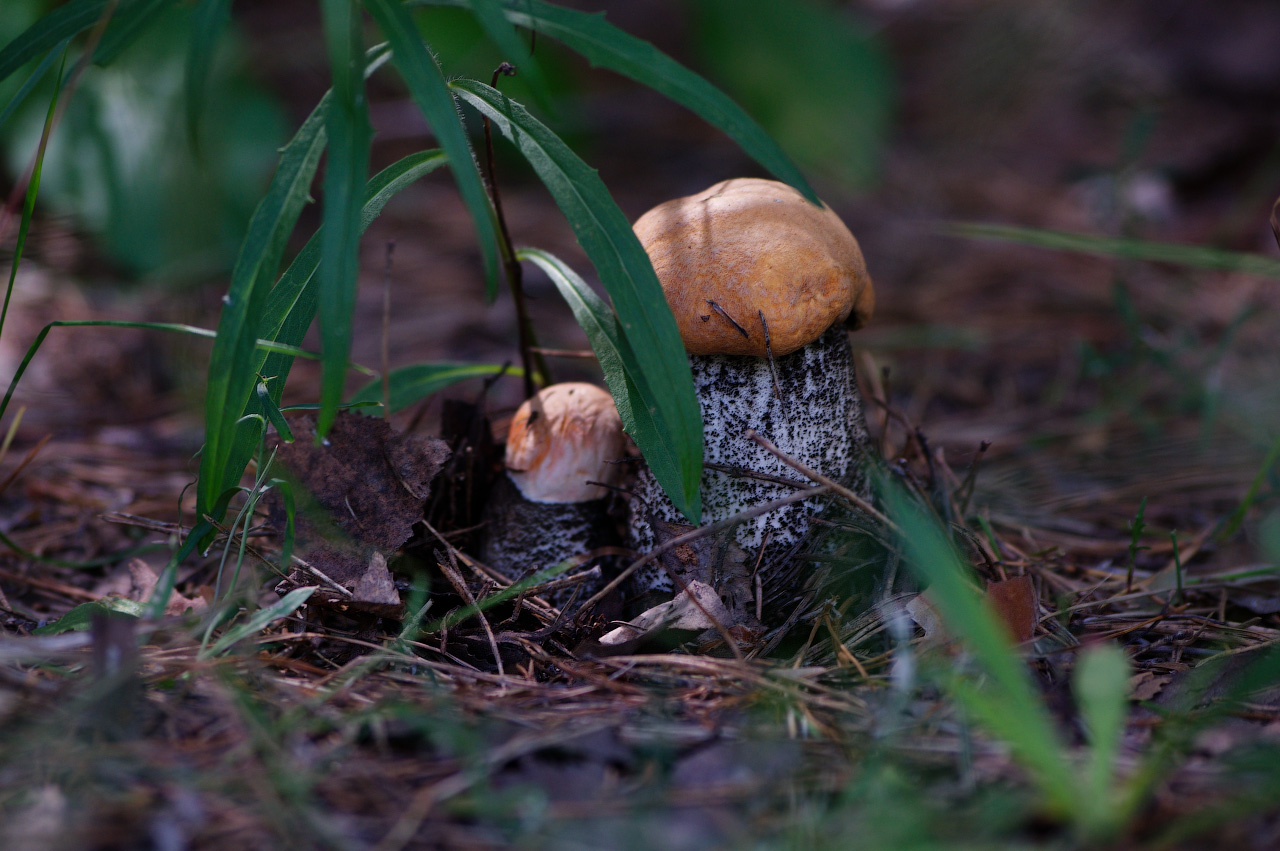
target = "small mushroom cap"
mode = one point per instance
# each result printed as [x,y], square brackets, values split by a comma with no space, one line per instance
[749,246]
[564,436]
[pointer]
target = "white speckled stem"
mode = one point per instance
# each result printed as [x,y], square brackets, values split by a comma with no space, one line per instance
[818,420]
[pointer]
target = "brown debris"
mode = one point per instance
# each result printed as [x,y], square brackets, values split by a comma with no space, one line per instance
[358,495]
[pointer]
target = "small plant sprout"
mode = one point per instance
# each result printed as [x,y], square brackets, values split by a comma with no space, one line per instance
[545,509]
[761,283]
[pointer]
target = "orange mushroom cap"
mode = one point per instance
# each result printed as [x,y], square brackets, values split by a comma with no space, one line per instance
[747,247]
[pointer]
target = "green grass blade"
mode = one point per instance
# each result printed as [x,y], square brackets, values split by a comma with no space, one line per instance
[80,619]
[258,621]
[427,86]
[1194,256]
[606,46]
[1101,686]
[636,403]
[409,385]
[64,22]
[231,374]
[34,80]
[1009,705]
[130,21]
[292,305]
[493,20]
[33,188]
[347,168]
[624,268]
[208,22]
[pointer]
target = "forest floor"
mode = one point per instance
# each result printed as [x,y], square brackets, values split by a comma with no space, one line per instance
[1087,394]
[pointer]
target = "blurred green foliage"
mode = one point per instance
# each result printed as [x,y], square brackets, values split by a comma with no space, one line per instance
[818,81]
[122,162]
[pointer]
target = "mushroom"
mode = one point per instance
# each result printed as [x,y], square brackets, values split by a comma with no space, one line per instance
[542,511]
[762,283]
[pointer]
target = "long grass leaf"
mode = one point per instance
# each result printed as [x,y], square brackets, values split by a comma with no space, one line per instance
[1194,256]
[293,303]
[1009,706]
[1100,683]
[346,170]
[409,385]
[64,22]
[605,46]
[258,621]
[208,22]
[231,374]
[647,325]
[493,20]
[636,402]
[127,25]
[266,346]
[33,188]
[32,81]
[427,86]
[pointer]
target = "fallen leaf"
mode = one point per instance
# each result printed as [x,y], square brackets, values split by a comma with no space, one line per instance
[358,494]
[1015,602]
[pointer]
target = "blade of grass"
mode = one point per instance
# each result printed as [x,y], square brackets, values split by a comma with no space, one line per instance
[624,268]
[1251,496]
[606,46]
[350,136]
[426,83]
[1100,683]
[64,22]
[208,22]
[33,188]
[258,621]
[192,330]
[1008,704]
[34,80]
[231,374]
[636,403]
[292,306]
[129,22]
[409,385]
[492,19]
[1194,256]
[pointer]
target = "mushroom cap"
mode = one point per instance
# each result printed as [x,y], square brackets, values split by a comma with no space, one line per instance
[563,436]
[753,246]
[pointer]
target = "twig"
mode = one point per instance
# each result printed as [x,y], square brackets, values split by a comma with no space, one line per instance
[773,366]
[529,359]
[834,487]
[451,573]
[720,310]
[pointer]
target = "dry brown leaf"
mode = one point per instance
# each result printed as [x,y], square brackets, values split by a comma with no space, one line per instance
[357,494]
[1015,602]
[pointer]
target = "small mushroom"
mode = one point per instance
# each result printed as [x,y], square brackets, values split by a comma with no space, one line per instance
[762,284]
[542,510]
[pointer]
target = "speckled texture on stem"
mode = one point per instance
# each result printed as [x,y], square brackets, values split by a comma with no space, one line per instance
[818,421]
[523,537]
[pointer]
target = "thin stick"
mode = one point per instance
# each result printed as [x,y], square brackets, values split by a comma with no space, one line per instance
[531,361]
[834,487]
[451,573]
[386,331]
[720,310]
[773,366]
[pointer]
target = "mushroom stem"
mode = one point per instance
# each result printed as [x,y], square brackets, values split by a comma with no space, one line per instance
[543,511]
[817,420]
